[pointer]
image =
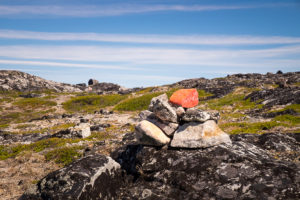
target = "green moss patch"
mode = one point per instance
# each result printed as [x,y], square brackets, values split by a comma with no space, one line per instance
[64,155]
[7,151]
[288,119]
[34,103]
[234,99]
[244,127]
[137,103]
[91,103]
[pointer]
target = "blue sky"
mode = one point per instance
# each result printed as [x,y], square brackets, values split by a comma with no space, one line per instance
[150,42]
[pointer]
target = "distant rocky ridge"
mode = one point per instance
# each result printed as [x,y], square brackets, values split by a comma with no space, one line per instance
[21,81]
[222,86]
[24,82]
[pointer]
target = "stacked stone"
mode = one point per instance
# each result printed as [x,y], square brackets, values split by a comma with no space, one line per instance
[178,123]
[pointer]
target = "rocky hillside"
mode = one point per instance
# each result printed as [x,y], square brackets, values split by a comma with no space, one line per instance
[222,86]
[48,135]
[21,81]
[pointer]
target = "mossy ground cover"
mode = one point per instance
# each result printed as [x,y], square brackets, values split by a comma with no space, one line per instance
[22,116]
[137,103]
[236,100]
[91,103]
[7,151]
[247,127]
[64,155]
[34,103]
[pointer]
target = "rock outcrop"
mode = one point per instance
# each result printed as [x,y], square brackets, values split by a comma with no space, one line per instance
[247,169]
[222,86]
[21,81]
[252,167]
[92,177]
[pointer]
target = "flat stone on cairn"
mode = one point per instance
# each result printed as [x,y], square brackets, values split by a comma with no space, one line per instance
[149,134]
[164,124]
[195,135]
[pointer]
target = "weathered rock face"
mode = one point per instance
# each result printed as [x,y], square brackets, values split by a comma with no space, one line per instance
[162,109]
[246,169]
[149,134]
[252,167]
[277,96]
[93,82]
[105,88]
[196,115]
[199,135]
[21,81]
[8,138]
[92,177]
[81,130]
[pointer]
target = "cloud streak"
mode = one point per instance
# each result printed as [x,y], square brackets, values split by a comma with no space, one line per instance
[150,39]
[60,64]
[114,10]
[140,57]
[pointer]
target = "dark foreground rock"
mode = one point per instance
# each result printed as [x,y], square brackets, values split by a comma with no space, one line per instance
[92,177]
[245,170]
[254,167]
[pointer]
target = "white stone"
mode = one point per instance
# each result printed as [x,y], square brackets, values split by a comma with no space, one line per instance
[149,134]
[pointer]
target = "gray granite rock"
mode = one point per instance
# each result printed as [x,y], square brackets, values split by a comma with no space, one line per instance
[162,109]
[199,135]
[167,127]
[149,134]
[92,177]
[197,115]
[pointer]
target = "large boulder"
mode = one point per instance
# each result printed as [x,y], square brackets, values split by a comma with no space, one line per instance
[199,135]
[162,109]
[92,177]
[187,98]
[149,134]
[244,170]
[167,127]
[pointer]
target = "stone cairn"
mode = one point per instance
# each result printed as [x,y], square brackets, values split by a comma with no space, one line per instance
[177,123]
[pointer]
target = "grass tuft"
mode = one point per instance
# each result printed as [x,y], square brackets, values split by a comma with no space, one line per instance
[91,103]
[64,155]
[137,103]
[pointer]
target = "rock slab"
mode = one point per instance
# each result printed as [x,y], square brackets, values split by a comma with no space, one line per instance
[149,134]
[244,170]
[167,127]
[92,177]
[199,135]
[187,98]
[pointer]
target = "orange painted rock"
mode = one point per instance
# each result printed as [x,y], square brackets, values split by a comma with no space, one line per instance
[186,98]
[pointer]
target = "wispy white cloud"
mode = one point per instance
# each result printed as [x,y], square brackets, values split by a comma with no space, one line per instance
[151,39]
[114,10]
[60,64]
[134,57]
